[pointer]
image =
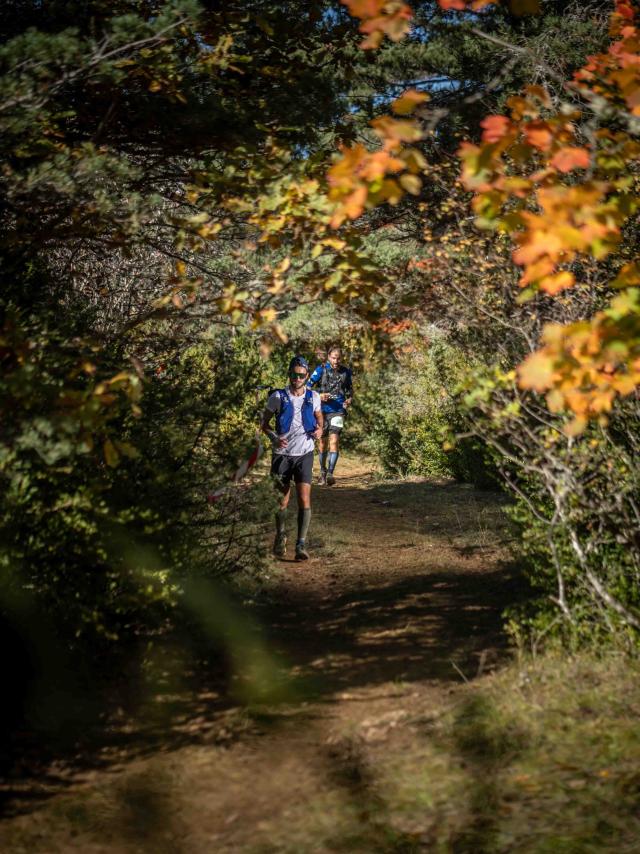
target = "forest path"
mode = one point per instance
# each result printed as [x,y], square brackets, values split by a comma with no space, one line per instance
[399,604]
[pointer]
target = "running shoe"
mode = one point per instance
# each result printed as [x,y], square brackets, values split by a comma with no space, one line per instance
[280,545]
[322,478]
[330,480]
[301,552]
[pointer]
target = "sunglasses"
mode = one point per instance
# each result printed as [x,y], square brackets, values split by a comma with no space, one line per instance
[298,375]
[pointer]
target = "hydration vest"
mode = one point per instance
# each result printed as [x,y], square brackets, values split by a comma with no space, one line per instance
[285,416]
[336,383]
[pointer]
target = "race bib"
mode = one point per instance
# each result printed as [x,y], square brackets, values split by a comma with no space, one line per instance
[337,421]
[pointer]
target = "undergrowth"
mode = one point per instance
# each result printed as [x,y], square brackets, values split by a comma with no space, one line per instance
[542,757]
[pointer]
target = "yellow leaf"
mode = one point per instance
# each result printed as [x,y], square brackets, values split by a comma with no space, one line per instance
[411,183]
[279,333]
[408,101]
[121,378]
[111,455]
[536,372]
[629,274]
[575,426]
[555,401]
[334,243]
[624,384]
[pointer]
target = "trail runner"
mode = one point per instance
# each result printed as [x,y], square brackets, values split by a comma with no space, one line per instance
[336,393]
[298,416]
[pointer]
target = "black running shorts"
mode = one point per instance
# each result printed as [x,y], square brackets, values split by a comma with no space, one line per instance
[284,468]
[330,425]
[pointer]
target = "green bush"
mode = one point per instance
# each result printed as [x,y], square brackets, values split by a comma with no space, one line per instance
[575,507]
[407,408]
[103,512]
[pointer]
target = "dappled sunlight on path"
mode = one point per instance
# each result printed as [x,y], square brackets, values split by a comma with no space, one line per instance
[395,592]
[399,604]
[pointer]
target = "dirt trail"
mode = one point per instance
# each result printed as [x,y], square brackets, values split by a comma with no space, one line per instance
[399,605]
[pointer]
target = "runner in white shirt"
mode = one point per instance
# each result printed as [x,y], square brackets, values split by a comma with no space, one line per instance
[298,424]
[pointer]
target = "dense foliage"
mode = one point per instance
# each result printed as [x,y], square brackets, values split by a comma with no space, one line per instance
[557,175]
[190,192]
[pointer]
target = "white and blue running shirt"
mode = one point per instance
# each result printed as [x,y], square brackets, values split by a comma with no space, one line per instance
[298,441]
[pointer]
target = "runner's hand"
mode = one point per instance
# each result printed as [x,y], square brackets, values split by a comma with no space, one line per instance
[325,396]
[317,433]
[282,442]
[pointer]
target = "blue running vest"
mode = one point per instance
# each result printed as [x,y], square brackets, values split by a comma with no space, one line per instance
[285,416]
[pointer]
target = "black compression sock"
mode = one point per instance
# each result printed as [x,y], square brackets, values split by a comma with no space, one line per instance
[281,521]
[304,518]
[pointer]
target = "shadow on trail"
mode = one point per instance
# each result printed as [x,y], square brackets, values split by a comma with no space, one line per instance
[408,614]
[442,627]
[417,623]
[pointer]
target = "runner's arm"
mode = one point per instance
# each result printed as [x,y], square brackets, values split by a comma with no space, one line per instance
[319,424]
[315,377]
[265,426]
[348,388]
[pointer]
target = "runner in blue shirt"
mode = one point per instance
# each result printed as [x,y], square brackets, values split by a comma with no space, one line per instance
[336,393]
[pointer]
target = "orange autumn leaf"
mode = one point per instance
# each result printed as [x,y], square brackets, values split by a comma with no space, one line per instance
[557,282]
[354,204]
[538,134]
[569,158]
[535,244]
[360,179]
[495,128]
[379,18]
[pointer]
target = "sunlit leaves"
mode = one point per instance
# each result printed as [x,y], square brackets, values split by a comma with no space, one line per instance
[408,101]
[495,128]
[536,372]
[564,197]
[583,366]
[380,18]
[361,178]
[569,158]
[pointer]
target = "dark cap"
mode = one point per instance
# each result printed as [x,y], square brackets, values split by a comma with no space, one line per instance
[298,362]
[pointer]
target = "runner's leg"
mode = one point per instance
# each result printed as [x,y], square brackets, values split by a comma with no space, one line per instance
[323,454]
[281,514]
[322,446]
[334,453]
[302,477]
[281,472]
